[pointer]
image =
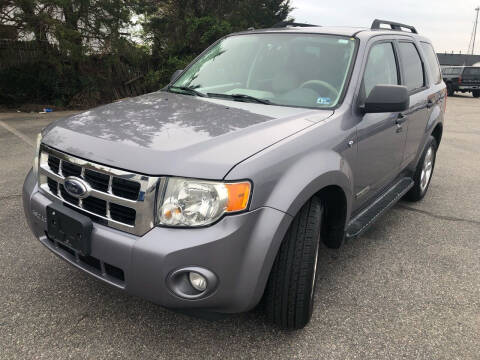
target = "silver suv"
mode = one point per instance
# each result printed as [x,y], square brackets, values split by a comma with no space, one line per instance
[215,192]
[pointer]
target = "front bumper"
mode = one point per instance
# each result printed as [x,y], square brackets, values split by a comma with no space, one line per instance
[239,250]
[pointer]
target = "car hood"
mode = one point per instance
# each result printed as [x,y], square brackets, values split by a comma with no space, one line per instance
[164,133]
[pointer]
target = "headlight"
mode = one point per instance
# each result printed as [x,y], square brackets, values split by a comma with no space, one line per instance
[36,154]
[191,203]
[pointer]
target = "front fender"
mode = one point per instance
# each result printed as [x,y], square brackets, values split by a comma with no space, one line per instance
[307,176]
[286,176]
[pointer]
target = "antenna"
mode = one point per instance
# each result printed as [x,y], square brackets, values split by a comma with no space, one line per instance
[474,32]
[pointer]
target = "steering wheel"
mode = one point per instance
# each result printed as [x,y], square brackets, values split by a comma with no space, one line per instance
[312,84]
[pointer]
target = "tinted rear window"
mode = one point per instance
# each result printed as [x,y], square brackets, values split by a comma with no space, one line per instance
[432,62]
[412,66]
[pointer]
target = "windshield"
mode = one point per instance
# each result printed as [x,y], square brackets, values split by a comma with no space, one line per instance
[304,70]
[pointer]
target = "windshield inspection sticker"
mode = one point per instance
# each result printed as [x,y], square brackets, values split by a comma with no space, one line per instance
[324,101]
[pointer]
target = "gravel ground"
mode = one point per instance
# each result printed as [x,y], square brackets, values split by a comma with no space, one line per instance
[409,288]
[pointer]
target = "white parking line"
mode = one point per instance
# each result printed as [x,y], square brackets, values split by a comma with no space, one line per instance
[17,133]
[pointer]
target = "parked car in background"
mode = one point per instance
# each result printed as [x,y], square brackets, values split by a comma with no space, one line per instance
[217,191]
[462,79]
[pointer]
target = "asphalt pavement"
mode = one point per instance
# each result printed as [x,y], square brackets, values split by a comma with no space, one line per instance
[409,288]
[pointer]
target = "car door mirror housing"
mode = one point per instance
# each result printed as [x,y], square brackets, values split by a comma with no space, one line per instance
[387,98]
[175,75]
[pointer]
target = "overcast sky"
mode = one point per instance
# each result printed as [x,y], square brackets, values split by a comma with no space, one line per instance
[448,23]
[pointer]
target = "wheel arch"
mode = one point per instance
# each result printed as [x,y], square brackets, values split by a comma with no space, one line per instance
[438,132]
[334,188]
[335,205]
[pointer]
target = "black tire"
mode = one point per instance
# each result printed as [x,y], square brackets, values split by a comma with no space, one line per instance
[450,91]
[290,290]
[418,191]
[476,93]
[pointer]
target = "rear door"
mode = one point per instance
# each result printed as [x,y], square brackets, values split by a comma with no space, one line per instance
[414,78]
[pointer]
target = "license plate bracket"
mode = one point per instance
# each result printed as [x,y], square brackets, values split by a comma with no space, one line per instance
[69,228]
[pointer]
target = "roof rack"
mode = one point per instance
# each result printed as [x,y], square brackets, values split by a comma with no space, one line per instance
[393,26]
[283,24]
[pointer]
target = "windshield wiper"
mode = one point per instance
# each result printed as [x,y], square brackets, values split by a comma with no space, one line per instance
[241,97]
[189,90]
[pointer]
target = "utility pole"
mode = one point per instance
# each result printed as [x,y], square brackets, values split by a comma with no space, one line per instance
[475,29]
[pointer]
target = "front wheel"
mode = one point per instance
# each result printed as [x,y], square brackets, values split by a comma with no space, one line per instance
[424,172]
[291,286]
[476,93]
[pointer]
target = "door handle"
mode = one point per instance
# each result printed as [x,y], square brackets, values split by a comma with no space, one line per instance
[400,119]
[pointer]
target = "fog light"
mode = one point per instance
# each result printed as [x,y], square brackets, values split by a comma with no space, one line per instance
[197,281]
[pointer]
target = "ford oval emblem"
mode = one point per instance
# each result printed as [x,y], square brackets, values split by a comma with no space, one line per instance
[76,187]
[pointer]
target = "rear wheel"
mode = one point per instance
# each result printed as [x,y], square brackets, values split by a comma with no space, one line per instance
[291,287]
[476,93]
[424,172]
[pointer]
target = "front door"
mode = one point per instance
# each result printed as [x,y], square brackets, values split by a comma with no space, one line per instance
[381,137]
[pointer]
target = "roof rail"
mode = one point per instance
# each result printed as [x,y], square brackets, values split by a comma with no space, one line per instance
[393,26]
[283,24]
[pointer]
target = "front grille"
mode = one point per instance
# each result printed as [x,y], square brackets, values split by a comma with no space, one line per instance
[69,169]
[97,206]
[122,214]
[125,188]
[53,186]
[67,197]
[54,164]
[94,218]
[120,199]
[97,180]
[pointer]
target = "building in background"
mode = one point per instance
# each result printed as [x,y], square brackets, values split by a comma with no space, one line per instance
[458,59]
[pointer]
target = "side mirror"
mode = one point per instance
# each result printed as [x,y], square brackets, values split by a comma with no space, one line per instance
[387,98]
[175,75]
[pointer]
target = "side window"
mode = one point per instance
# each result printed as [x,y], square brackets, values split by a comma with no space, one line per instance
[413,68]
[381,67]
[432,61]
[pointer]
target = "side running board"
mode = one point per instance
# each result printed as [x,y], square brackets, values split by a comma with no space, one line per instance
[363,220]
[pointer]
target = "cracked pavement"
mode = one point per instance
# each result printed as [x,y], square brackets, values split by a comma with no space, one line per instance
[429,213]
[408,288]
